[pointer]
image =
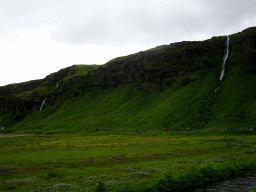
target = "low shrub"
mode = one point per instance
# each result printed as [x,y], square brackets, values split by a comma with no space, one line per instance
[63,187]
[60,187]
[223,158]
[139,174]
[155,170]
[113,183]
[70,178]
[131,169]
[93,177]
[175,165]
[55,173]
[244,141]
[181,160]
[196,162]
[254,190]
[100,187]
[26,181]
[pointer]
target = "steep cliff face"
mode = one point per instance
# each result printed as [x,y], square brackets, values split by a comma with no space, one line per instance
[157,65]
[171,60]
[245,43]
[151,71]
[25,98]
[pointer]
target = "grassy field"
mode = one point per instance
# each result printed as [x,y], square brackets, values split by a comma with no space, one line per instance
[76,162]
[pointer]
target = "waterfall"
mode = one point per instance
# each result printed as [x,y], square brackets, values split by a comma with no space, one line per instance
[42,105]
[224,59]
[57,85]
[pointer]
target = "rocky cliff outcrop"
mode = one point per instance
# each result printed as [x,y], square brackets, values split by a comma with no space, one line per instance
[55,77]
[245,43]
[142,66]
[157,65]
[13,100]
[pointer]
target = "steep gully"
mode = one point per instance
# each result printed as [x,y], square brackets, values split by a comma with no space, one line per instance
[224,62]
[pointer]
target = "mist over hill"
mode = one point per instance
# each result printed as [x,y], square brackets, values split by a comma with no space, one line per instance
[170,86]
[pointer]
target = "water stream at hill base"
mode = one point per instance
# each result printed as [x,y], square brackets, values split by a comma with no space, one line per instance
[243,184]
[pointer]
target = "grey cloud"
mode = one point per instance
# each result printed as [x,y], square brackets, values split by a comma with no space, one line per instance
[143,22]
[12,10]
[91,29]
[229,15]
[148,22]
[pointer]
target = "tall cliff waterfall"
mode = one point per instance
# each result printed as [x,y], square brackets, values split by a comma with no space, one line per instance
[42,105]
[224,59]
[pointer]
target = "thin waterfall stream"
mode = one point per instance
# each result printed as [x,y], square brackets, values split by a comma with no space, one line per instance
[42,105]
[216,90]
[224,59]
[222,73]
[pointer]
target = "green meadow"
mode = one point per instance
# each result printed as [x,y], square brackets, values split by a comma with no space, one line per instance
[119,160]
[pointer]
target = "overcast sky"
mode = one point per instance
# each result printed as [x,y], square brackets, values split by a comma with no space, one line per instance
[39,37]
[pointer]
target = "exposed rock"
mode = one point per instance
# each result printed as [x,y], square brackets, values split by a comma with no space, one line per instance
[30,85]
[55,77]
[135,68]
[17,104]
[246,44]
[183,43]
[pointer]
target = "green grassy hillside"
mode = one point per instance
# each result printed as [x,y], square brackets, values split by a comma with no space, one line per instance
[160,88]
